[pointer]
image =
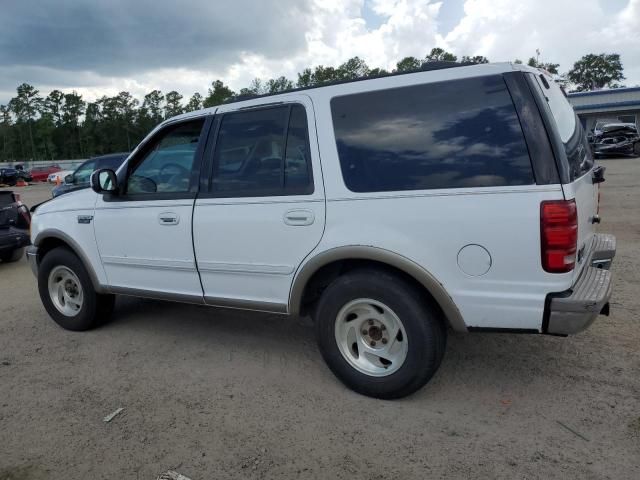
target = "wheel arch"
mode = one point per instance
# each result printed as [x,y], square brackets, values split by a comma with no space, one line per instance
[49,239]
[361,253]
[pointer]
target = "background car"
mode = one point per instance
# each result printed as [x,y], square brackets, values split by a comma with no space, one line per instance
[15,220]
[23,173]
[616,139]
[79,179]
[8,176]
[41,174]
[60,175]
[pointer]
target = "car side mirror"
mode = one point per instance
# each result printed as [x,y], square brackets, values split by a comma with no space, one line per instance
[68,179]
[104,181]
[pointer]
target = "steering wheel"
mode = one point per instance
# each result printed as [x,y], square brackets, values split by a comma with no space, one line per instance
[165,175]
[140,184]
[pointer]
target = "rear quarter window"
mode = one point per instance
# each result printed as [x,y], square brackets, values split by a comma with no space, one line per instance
[455,134]
[569,128]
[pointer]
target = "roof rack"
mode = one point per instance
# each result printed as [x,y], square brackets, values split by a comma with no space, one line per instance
[427,66]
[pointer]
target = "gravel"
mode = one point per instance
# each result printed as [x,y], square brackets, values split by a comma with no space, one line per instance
[215,394]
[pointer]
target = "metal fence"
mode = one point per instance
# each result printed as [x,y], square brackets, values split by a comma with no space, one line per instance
[63,164]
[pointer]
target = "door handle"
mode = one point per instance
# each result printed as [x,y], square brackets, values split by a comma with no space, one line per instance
[168,218]
[299,217]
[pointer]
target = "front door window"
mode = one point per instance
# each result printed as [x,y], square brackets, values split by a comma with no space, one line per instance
[167,165]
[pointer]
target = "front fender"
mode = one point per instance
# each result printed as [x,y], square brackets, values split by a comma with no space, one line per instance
[52,238]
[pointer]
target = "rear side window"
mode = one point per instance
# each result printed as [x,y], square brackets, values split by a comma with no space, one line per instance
[263,152]
[569,128]
[455,134]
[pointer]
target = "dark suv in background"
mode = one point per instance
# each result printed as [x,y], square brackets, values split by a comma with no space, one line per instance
[15,221]
[79,179]
[8,176]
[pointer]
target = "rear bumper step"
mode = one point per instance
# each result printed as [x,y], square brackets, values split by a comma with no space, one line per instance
[575,310]
[604,249]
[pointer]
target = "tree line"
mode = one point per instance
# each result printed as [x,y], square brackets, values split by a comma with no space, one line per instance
[64,126]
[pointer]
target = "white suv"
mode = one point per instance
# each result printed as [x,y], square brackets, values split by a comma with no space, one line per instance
[389,209]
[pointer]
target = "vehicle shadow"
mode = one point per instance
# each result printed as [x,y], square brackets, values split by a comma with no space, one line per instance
[489,362]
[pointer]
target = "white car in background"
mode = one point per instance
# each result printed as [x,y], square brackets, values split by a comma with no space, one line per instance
[53,178]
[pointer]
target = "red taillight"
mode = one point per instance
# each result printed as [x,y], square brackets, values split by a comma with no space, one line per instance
[559,235]
[24,213]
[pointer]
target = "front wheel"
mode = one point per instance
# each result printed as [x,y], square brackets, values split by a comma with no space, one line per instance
[378,334]
[67,292]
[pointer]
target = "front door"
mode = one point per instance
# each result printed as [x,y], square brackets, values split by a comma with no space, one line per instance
[144,232]
[264,209]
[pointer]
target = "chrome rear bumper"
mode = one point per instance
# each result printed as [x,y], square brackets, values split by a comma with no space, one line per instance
[576,309]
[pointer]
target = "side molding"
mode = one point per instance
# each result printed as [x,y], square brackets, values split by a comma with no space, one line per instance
[171,297]
[60,235]
[363,252]
[253,305]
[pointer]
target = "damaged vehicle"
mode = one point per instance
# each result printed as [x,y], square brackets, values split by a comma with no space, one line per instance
[23,173]
[390,210]
[616,139]
[15,221]
[8,176]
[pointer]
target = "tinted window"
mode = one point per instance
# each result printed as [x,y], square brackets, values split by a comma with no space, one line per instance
[578,153]
[84,171]
[112,162]
[263,152]
[297,167]
[166,166]
[455,134]
[569,128]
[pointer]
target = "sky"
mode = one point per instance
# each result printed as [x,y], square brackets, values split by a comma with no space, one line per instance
[101,47]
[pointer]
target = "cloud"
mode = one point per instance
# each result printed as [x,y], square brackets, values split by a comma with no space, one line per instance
[122,37]
[564,31]
[338,31]
[104,46]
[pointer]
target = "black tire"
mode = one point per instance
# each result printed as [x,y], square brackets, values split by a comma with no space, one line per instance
[96,308]
[12,256]
[425,329]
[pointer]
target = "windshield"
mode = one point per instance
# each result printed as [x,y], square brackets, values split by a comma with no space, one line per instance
[84,171]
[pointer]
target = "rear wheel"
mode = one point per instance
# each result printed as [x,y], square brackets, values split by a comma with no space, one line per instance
[67,292]
[378,333]
[12,256]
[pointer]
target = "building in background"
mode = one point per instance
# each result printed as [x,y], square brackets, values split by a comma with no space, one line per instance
[615,105]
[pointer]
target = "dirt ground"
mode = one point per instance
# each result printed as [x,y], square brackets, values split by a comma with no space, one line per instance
[217,394]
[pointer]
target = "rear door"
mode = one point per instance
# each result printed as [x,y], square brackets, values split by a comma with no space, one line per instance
[578,167]
[263,208]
